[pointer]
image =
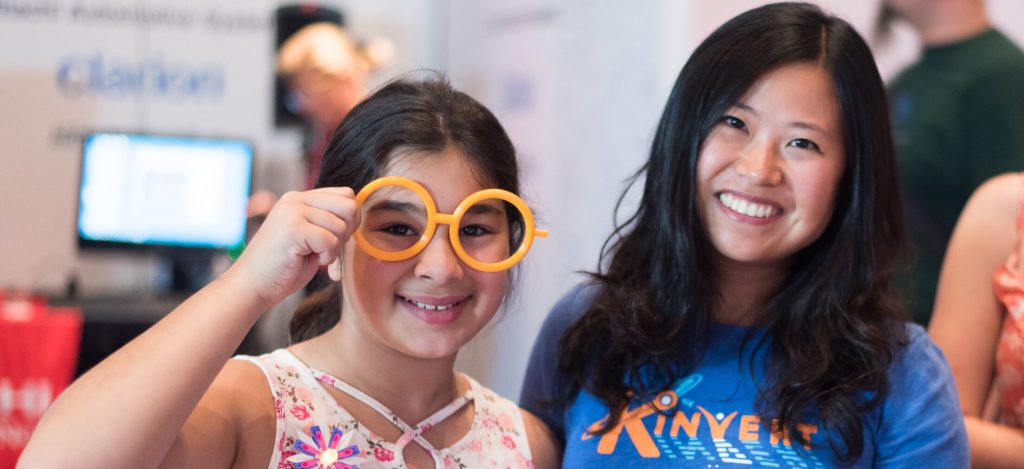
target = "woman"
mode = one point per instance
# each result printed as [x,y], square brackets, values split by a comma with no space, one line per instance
[746,312]
[978,321]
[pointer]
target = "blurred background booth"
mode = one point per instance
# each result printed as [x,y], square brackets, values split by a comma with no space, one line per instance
[578,84]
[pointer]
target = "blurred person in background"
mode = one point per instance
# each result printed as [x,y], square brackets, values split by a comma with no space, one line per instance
[958,119]
[979,320]
[327,72]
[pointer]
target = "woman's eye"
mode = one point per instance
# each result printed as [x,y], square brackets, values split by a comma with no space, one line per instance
[805,144]
[734,122]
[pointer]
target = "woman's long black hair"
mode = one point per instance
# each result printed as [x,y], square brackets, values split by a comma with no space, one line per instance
[835,323]
[410,115]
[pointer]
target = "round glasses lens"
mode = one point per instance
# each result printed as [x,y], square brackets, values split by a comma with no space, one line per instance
[393,218]
[491,230]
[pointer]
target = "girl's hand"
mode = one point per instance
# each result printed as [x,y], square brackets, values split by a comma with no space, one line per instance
[304,230]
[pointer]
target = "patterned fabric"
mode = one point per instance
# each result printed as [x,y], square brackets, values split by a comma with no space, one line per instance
[1008,284]
[313,431]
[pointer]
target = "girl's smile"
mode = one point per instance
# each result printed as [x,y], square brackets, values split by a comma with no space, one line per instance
[429,305]
[435,310]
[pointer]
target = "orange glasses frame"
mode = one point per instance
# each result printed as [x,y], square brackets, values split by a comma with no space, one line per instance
[434,219]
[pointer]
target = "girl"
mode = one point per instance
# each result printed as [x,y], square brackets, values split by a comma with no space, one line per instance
[374,387]
[745,316]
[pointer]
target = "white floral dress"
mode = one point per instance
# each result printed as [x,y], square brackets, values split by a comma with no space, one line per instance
[314,431]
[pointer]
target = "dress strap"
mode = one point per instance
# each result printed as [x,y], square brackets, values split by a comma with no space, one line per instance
[409,432]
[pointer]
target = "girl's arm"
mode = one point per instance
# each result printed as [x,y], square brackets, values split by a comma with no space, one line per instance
[131,409]
[968,316]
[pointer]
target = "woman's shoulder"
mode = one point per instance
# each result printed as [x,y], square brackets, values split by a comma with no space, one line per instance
[919,422]
[917,348]
[562,316]
[919,367]
[571,306]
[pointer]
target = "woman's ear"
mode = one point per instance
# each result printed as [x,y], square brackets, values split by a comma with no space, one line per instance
[334,270]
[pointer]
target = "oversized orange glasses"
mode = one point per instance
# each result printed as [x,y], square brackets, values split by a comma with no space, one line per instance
[490,231]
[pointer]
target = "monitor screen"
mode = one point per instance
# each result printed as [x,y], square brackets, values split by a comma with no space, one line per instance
[154,190]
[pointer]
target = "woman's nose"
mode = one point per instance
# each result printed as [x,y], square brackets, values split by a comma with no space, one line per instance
[759,164]
[438,261]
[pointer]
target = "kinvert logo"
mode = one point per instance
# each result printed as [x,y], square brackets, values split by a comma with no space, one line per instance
[83,75]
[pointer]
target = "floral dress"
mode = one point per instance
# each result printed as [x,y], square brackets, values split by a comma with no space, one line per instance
[314,431]
[1008,283]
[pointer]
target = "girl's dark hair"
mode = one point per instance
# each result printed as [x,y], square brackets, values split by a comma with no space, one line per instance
[834,325]
[409,115]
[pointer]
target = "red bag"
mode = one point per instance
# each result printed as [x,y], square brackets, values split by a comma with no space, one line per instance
[38,353]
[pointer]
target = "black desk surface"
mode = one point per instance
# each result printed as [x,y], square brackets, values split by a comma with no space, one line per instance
[123,309]
[111,322]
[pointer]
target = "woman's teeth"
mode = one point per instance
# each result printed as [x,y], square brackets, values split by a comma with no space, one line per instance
[745,207]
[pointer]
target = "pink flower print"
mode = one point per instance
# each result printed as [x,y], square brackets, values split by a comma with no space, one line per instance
[383,454]
[283,463]
[279,408]
[333,453]
[449,463]
[505,422]
[304,395]
[522,463]
[490,422]
[476,446]
[300,412]
[508,442]
[327,379]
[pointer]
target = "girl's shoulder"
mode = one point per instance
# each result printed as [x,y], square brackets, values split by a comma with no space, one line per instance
[501,416]
[240,406]
[487,399]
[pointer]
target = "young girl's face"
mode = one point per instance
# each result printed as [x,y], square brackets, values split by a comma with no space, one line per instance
[768,172]
[430,305]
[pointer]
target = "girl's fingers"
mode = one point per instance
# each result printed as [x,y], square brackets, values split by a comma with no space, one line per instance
[337,200]
[340,201]
[327,220]
[314,222]
[319,241]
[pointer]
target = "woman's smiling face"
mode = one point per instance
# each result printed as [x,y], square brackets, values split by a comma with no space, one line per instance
[432,304]
[768,172]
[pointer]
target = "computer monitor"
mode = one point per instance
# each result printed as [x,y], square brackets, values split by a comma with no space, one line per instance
[161,191]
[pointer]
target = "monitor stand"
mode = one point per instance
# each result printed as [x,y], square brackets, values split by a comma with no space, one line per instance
[188,270]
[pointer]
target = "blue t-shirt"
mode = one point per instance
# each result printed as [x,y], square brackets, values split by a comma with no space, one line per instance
[709,418]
